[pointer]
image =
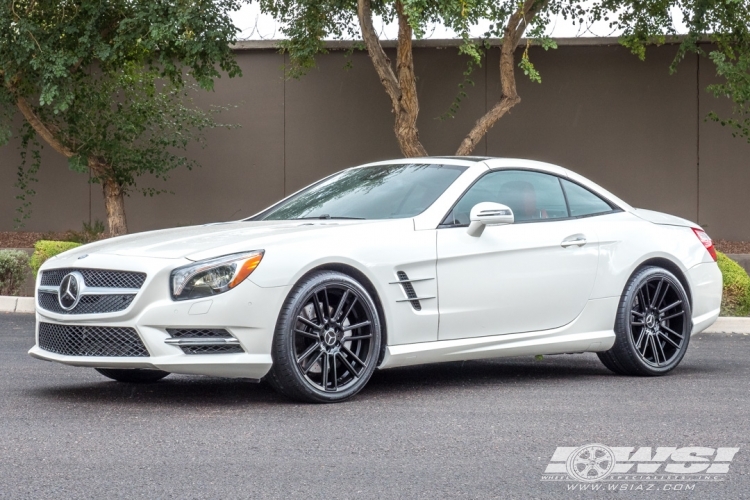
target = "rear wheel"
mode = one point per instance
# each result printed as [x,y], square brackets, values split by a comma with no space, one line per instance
[137,376]
[653,325]
[327,339]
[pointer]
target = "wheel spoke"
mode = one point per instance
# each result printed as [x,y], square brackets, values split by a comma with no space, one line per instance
[335,374]
[672,332]
[640,339]
[353,355]
[639,314]
[348,311]
[653,349]
[358,325]
[358,337]
[673,316]
[326,302]
[641,300]
[307,334]
[661,347]
[636,323]
[309,367]
[656,294]
[344,296]
[309,351]
[348,365]
[675,304]
[664,295]
[645,345]
[647,295]
[325,372]
[666,337]
[318,308]
[308,322]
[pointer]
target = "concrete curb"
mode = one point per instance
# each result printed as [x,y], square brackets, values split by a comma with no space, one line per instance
[722,325]
[727,324]
[17,304]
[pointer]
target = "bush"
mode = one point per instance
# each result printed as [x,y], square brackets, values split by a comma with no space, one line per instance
[90,233]
[44,249]
[735,300]
[12,271]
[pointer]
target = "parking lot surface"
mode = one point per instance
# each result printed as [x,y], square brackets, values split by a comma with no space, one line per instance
[480,429]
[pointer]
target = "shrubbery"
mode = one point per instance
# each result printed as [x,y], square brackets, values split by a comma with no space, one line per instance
[43,250]
[735,300]
[13,265]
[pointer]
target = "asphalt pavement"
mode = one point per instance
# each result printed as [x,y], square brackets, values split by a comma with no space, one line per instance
[480,429]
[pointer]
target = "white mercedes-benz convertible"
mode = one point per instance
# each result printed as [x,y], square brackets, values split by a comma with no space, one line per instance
[388,264]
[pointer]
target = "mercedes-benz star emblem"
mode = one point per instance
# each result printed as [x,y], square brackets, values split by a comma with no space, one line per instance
[70,291]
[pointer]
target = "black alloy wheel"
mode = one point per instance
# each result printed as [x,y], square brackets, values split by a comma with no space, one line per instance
[653,325]
[327,339]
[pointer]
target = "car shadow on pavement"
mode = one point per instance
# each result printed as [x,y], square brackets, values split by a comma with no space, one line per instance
[198,391]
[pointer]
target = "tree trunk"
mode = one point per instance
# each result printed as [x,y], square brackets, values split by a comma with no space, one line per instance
[114,197]
[402,89]
[114,202]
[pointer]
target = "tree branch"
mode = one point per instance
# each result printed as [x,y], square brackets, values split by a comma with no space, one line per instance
[514,30]
[41,129]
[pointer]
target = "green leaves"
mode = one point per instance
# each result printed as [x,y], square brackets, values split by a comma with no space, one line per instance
[111,81]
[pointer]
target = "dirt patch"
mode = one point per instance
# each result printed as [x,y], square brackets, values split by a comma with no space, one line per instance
[26,239]
[725,246]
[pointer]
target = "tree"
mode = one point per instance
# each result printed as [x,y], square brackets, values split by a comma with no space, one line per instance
[307,24]
[106,84]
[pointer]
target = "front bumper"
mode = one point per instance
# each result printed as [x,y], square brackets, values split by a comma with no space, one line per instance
[248,312]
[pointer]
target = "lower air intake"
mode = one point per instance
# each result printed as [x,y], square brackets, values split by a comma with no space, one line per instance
[72,340]
[211,349]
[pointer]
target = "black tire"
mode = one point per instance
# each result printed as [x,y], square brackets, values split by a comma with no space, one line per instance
[653,325]
[132,376]
[312,359]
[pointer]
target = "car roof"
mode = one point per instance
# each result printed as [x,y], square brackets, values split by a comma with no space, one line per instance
[483,162]
[492,163]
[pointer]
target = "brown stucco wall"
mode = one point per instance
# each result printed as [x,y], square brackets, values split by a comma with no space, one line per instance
[626,124]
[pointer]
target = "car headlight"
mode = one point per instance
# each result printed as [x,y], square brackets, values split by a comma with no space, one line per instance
[213,276]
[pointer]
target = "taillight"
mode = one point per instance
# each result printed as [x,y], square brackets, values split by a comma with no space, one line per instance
[706,240]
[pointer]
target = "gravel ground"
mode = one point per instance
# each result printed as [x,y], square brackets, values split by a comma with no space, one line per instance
[483,429]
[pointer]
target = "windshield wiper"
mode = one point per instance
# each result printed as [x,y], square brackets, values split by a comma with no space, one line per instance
[326,217]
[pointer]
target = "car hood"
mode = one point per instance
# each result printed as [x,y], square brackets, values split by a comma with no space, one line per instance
[198,242]
[662,218]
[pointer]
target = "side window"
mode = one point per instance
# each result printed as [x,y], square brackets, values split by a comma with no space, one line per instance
[582,201]
[531,196]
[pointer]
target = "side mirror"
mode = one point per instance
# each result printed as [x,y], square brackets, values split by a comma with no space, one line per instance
[488,214]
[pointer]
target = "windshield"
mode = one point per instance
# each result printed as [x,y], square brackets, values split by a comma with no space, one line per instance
[377,192]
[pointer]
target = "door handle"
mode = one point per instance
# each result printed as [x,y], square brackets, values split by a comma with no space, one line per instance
[577,240]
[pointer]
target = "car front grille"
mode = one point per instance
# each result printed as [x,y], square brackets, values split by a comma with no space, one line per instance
[72,340]
[100,278]
[89,304]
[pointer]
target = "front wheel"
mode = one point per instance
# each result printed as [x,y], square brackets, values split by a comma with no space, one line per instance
[136,376]
[653,325]
[327,339]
